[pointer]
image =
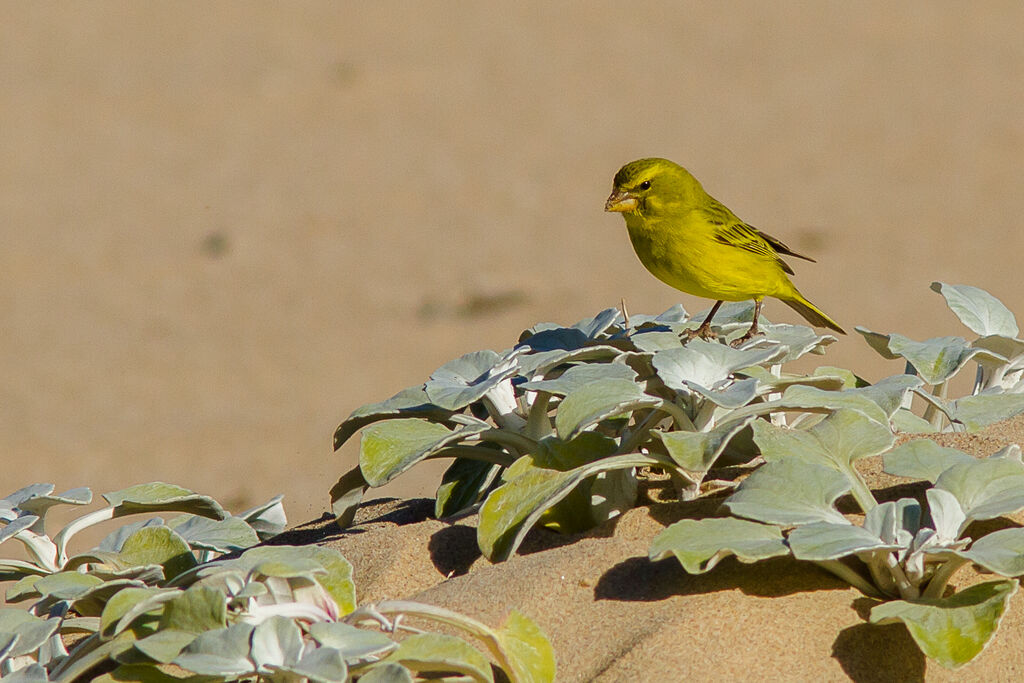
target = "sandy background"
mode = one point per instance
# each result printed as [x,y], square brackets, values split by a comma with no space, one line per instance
[224,226]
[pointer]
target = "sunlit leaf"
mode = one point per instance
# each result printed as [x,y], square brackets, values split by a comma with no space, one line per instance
[389,448]
[788,492]
[598,401]
[700,544]
[978,310]
[434,652]
[922,459]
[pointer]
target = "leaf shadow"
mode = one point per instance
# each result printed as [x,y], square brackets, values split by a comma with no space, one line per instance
[870,653]
[454,549]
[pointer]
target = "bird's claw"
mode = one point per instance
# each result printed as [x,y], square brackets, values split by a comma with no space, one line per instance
[703,332]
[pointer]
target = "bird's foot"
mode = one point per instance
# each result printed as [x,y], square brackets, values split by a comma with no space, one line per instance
[747,336]
[703,332]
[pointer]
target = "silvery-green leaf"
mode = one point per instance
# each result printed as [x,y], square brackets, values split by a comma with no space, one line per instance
[947,516]
[906,422]
[707,364]
[822,541]
[952,630]
[769,383]
[411,402]
[838,441]
[33,673]
[15,499]
[598,401]
[1001,552]
[346,494]
[985,489]
[462,485]
[790,492]
[811,399]
[222,535]
[599,324]
[16,526]
[31,631]
[936,359]
[889,392]
[113,541]
[536,364]
[579,376]
[922,459]
[878,341]
[459,382]
[731,395]
[157,545]
[387,672]
[700,544]
[1010,349]
[267,519]
[978,310]
[977,412]
[224,652]
[611,494]
[356,645]
[894,522]
[39,505]
[552,337]
[797,340]
[24,587]
[434,652]
[7,643]
[513,508]
[389,448]
[130,603]
[157,497]
[66,585]
[276,642]
[320,664]
[652,340]
[697,451]
[185,615]
[675,314]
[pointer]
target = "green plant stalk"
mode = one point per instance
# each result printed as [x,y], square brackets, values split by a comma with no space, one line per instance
[45,552]
[704,419]
[682,419]
[631,442]
[89,652]
[501,403]
[505,437]
[851,576]
[474,453]
[932,413]
[538,424]
[64,536]
[943,573]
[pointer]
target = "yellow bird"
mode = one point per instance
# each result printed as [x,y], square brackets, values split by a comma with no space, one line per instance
[691,241]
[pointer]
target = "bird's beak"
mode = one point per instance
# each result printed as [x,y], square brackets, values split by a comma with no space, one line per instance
[621,202]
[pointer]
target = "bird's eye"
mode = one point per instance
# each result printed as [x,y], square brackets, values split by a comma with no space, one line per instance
[645,185]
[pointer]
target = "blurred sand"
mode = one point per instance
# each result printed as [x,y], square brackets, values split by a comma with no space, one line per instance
[227,225]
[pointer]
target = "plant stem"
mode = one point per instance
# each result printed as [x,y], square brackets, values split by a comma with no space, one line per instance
[505,437]
[683,420]
[937,585]
[851,576]
[538,424]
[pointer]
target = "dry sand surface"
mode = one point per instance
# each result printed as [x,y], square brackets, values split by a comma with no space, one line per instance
[227,225]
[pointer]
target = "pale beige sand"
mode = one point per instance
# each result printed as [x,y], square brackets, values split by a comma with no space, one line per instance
[612,615]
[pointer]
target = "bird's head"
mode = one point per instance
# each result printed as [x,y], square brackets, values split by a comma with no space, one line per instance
[652,188]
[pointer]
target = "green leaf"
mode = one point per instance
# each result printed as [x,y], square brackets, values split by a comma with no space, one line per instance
[130,603]
[346,494]
[462,485]
[224,652]
[598,401]
[512,509]
[985,489]
[697,452]
[266,519]
[411,402]
[830,541]
[457,383]
[276,643]
[223,536]
[922,459]
[31,631]
[66,585]
[358,646]
[1001,552]
[433,652]
[977,309]
[952,630]
[158,545]
[526,650]
[838,441]
[707,364]
[320,664]
[796,340]
[387,672]
[977,412]
[389,448]
[578,376]
[700,544]
[158,496]
[788,492]
[936,359]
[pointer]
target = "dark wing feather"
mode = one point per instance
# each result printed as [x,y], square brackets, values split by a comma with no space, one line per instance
[732,231]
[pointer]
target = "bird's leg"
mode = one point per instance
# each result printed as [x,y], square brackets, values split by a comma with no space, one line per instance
[704,331]
[749,334]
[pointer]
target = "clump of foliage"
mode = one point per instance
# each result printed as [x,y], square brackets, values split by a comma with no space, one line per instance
[156,597]
[557,430]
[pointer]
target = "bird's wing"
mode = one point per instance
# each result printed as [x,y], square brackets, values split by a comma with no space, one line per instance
[732,231]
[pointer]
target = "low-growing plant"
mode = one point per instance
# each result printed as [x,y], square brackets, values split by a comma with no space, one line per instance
[155,597]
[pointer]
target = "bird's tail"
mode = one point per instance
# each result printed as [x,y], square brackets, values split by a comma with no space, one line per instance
[811,313]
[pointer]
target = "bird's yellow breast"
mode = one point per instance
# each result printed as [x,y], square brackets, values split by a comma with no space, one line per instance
[683,252]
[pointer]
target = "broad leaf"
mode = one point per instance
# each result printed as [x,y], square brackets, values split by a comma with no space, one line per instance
[830,541]
[434,652]
[985,489]
[411,402]
[224,652]
[838,441]
[922,459]
[598,401]
[389,448]
[525,650]
[790,492]
[700,544]
[978,310]
[579,376]
[158,497]
[952,630]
